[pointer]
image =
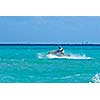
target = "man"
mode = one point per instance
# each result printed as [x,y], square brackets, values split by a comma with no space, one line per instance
[61,50]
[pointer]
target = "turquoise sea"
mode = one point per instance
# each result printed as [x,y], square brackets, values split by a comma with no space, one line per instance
[30,64]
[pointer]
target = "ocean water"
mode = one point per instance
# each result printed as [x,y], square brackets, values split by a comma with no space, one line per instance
[31,64]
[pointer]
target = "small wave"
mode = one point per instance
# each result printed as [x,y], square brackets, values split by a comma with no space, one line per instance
[62,78]
[40,56]
[77,74]
[96,78]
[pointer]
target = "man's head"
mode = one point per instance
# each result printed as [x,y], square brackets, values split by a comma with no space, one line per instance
[59,47]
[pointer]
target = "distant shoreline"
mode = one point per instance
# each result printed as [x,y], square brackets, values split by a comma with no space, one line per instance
[49,44]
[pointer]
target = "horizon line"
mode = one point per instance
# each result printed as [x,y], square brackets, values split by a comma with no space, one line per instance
[50,44]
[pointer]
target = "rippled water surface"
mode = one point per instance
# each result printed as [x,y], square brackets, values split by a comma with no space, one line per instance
[30,64]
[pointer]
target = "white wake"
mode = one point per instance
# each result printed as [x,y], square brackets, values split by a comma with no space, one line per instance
[72,56]
[96,78]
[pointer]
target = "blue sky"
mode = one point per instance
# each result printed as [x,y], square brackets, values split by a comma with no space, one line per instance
[55,29]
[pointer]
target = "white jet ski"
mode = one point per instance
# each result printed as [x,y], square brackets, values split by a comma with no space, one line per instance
[54,54]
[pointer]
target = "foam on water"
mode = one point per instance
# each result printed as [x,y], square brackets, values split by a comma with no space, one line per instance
[40,56]
[96,78]
[69,57]
[72,56]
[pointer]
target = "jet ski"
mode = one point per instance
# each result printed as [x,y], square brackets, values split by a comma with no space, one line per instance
[58,54]
[54,54]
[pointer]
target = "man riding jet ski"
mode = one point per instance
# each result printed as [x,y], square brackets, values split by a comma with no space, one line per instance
[60,51]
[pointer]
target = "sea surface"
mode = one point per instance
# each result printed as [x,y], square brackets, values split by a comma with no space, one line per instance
[31,64]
